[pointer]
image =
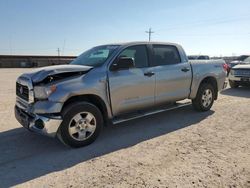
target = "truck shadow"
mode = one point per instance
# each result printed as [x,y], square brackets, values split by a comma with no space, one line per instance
[237,92]
[26,156]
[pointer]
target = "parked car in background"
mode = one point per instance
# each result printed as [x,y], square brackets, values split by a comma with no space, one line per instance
[111,84]
[198,57]
[239,60]
[240,74]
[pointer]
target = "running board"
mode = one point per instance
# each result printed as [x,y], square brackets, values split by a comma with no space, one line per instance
[140,115]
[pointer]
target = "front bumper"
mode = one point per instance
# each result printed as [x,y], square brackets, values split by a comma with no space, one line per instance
[45,125]
[240,79]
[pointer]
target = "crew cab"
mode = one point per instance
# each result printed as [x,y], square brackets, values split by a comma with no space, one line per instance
[109,84]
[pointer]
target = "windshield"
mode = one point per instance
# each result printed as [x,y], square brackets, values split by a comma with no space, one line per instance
[96,56]
[242,57]
[247,60]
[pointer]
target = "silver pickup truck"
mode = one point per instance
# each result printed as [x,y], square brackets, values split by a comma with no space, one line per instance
[111,84]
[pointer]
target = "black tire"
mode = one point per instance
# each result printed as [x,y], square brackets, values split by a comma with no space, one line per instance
[198,102]
[70,111]
[233,84]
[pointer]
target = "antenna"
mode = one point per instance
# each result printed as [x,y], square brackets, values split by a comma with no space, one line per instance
[149,34]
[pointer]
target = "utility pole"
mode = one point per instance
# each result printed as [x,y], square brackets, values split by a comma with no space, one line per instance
[149,34]
[58,52]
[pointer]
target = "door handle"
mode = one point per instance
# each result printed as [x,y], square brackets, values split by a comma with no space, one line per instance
[149,74]
[185,69]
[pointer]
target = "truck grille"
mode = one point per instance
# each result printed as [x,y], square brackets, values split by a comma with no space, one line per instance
[22,91]
[241,72]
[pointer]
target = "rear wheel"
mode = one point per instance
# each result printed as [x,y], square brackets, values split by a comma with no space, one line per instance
[204,98]
[233,84]
[82,123]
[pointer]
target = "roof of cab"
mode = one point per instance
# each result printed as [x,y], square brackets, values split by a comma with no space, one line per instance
[142,42]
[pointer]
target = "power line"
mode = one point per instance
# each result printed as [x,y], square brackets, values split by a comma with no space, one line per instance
[208,22]
[150,32]
[213,34]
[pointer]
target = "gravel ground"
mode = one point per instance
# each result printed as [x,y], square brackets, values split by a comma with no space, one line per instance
[179,148]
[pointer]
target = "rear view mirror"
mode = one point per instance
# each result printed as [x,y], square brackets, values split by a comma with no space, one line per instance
[123,63]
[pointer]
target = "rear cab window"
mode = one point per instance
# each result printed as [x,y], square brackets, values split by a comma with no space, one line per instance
[165,55]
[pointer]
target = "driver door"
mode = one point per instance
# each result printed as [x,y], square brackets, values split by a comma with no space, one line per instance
[132,89]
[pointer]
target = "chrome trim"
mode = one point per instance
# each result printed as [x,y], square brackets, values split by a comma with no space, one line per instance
[27,82]
[51,126]
[151,113]
[21,103]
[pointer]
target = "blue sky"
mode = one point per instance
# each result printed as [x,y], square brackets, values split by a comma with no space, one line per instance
[213,27]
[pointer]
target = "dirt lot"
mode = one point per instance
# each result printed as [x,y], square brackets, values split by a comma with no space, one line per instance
[181,148]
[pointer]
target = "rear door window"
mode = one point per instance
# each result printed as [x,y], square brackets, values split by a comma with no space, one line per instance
[165,55]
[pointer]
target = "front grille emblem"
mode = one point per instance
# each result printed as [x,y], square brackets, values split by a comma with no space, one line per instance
[21,90]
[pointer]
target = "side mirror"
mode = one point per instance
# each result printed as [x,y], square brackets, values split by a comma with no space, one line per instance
[123,63]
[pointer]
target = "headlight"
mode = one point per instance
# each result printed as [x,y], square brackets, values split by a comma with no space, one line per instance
[42,92]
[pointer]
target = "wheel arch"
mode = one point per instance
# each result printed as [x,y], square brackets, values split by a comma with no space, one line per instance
[91,98]
[197,83]
[211,80]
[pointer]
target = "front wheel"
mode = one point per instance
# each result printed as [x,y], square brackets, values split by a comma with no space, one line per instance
[82,123]
[204,98]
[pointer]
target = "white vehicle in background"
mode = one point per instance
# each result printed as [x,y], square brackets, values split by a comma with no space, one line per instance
[240,74]
[238,61]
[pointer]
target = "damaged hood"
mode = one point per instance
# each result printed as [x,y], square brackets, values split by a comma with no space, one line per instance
[40,74]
